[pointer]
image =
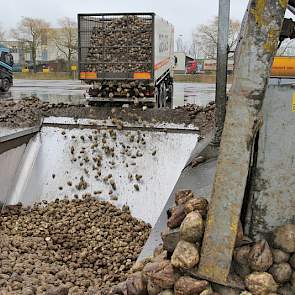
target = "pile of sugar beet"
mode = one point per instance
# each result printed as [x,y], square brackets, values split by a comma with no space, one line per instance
[67,246]
[261,268]
[87,246]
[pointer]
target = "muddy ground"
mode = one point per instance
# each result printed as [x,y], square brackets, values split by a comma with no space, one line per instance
[30,111]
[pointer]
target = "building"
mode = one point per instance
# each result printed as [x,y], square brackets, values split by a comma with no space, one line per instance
[19,50]
[182,61]
[211,64]
[22,54]
[47,54]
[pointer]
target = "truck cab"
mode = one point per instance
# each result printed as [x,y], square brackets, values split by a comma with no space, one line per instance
[6,63]
[191,67]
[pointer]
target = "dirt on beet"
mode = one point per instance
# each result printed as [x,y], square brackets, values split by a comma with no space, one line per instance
[29,112]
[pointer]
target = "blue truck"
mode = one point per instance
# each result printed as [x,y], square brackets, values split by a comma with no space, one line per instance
[6,64]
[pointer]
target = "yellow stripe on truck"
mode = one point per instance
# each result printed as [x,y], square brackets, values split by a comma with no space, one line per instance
[88,75]
[283,66]
[142,76]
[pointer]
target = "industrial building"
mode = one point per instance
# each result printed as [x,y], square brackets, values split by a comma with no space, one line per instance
[182,60]
[48,54]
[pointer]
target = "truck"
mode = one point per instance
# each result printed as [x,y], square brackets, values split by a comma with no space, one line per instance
[6,63]
[126,57]
[192,67]
[180,62]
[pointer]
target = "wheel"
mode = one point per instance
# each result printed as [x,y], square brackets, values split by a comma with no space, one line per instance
[164,95]
[157,104]
[5,85]
[170,96]
[161,94]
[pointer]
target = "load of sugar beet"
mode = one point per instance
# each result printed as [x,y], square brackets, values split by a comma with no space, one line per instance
[134,89]
[120,46]
[264,268]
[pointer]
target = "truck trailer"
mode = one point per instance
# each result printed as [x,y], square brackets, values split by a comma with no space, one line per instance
[126,57]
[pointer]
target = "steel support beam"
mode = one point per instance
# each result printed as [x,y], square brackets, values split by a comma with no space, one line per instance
[221,70]
[243,118]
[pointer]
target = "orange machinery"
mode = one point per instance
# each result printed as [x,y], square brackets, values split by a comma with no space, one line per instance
[283,66]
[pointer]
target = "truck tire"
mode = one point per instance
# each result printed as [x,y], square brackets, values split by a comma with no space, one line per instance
[161,95]
[164,95]
[156,105]
[5,85]
[170,95]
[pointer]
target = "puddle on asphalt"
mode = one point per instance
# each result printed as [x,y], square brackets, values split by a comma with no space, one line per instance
[193,93]
[53,91]
[143,169]
[52,98]
[73,92]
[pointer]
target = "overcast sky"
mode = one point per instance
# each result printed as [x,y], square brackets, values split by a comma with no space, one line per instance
[184,14]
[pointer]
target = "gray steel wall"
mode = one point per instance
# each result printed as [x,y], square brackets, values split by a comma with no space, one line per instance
[9,164]
[274,184]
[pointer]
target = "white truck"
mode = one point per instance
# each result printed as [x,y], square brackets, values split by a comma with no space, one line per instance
[180,66]
[126,57]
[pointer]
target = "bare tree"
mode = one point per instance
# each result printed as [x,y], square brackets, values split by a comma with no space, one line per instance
[179,44]
[34,32]
[195,48]
[206,37]
[2,34]
[66,39]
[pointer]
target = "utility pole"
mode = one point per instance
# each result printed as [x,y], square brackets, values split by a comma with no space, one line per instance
[221,70]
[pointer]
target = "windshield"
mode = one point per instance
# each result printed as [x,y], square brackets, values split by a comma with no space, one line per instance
[6,58]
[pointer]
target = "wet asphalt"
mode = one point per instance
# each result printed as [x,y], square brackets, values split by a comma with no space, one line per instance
[72,91]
